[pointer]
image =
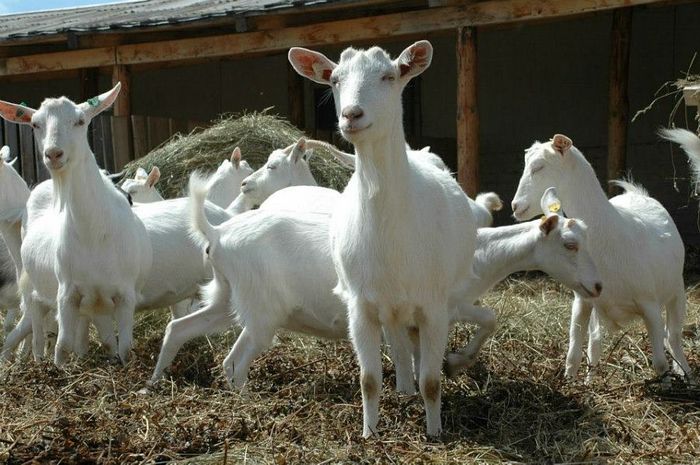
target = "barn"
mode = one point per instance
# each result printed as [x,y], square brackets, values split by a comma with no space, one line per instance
[506,72]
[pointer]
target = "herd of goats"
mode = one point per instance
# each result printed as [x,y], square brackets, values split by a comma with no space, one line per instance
[400,255]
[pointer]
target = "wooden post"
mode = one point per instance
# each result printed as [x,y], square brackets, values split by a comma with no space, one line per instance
[295,97]
[467,112]
[618,103]
[122,142]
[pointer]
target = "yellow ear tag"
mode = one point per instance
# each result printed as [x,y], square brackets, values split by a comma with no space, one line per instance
[554,207]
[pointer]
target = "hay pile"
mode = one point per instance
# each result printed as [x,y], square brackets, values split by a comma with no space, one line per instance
[303,404]
[257,134]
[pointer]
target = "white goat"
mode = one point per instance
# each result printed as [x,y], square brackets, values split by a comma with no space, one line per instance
[241,250]
[283,168]
[403,235]
[690,143]
[225,183]
[13,196]
[142,188]
[102,254]
[554,244]
[636,248]
[483,206]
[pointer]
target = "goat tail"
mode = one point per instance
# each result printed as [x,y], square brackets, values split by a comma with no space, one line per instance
[688,141]
[630,187]
[199,225]
[490,201]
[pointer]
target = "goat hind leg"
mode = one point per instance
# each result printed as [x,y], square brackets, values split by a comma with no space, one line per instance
[485,318]
[433,342]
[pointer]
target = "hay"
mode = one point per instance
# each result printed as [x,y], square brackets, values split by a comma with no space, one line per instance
[257,134]
[303,404]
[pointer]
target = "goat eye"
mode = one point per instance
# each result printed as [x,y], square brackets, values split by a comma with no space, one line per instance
[80,122]
[335,81]
[35,126]
[537,168]
[271,167]
[388,77]
[571,246]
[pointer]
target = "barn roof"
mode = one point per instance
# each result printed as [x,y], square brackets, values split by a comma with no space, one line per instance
[137,14]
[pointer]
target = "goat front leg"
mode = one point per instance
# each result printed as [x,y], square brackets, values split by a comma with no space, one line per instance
[366,337]
[124,306]
[105,330]
[595,340]
[433,333]
[485,319]
[68,299]
[580,314]
[651,312]
[21,331]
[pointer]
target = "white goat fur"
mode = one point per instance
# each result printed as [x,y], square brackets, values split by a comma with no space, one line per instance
[306,304]
[403,234]
[690,143]
[142,188]
[225,183]
[483,206]
[636,247]
[102,253]
[283,168]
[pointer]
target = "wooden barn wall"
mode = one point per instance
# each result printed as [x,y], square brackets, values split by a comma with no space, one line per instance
[535,80]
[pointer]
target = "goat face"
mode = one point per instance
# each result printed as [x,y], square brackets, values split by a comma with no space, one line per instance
[562,252]
[545,166]
[283,169]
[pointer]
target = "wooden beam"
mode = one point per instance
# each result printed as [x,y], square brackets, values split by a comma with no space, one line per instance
[295,98]
[618,100]
[467,112]
[418,22]
[123,145]
[88,83]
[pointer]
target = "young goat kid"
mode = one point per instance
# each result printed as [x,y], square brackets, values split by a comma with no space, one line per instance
[102,254]
[636,248]
[403,234]
[142,188]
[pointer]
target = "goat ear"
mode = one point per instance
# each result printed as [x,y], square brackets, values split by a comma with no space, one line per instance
[96,105]
[561,143]
[549,223]
[5,153]
[236,157]
[415,59]
[312,65]
[550,203]
[153,177]
[16,113]
[140,173]
[298,150]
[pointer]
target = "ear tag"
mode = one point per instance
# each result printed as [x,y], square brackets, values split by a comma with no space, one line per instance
[20,112]
[554,207]
[93,102]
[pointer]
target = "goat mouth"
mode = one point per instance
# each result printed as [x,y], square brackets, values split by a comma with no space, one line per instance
[518,214]
[349,129]
[245,190]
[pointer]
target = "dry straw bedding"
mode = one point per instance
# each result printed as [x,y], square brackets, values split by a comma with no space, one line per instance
[303,404]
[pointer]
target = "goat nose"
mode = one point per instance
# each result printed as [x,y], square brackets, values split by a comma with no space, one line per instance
[243,184]
[598,288]
[352,112]
[53,153]
[514,206]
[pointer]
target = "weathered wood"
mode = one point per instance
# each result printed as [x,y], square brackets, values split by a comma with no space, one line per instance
[140,131]
[295,97]
[158,131]
[26,152]
[88,83]
[178,126]
[121,141]
[327,33]
[467,112]
[618,100]
[122,106]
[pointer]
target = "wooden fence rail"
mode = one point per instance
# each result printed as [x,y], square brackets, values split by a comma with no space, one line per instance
[108,136]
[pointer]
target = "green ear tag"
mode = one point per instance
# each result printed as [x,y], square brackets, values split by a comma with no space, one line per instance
[21,112]
[93,102]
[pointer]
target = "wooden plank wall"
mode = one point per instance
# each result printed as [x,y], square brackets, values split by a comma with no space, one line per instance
[108,137]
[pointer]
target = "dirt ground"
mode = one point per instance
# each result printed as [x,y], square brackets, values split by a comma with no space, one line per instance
[303,404]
